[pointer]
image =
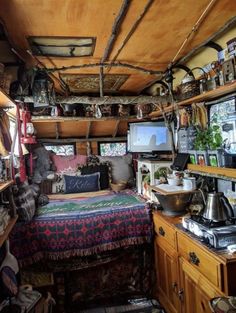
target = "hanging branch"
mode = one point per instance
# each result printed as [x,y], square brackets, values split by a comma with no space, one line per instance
[168,125]
[101,81]
[116,28]
[105,64]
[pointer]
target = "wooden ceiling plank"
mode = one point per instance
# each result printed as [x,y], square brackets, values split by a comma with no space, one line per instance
[116,129]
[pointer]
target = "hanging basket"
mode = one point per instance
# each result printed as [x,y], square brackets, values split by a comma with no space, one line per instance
[190,88]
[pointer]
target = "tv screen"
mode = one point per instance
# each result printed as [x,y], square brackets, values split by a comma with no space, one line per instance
[149,137]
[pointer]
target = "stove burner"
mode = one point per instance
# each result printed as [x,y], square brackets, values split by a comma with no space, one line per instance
[206,222]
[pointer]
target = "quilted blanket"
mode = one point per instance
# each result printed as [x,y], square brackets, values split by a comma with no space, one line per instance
[82,226]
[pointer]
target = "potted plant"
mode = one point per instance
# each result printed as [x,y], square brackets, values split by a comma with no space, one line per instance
[207,143]
[160,175]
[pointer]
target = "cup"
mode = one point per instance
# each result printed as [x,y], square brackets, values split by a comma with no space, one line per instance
[189,183]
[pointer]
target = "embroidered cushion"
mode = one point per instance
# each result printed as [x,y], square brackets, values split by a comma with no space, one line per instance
[83,183]
[58,185]
[102,168]
[68,162]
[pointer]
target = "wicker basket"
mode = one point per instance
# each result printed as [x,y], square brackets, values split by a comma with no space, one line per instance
[118,186]
[191,88]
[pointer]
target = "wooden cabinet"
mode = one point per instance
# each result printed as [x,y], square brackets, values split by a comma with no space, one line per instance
[195,290]
[189,273]
[167,275]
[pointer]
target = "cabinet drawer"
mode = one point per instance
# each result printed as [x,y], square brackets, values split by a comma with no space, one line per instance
[164,230]
[200,259]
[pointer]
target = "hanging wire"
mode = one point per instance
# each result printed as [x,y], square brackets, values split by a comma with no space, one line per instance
[195,28]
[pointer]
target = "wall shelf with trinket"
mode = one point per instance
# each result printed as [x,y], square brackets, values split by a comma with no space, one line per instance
[5,185]
[8,229]
[219,91]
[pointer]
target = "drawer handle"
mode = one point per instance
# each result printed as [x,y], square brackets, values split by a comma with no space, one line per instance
[193,258]
[181,295]
[161,231]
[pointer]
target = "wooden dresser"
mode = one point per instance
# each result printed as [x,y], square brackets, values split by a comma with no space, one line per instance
[188,272]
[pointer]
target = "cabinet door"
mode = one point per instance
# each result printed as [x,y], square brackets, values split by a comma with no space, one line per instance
[166,260]
[195,290]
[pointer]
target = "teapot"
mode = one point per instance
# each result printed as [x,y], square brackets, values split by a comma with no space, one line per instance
[217,207]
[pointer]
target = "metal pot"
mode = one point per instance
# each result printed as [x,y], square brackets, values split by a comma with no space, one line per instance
[174,204]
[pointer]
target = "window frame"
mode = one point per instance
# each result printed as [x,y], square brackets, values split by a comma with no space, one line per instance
[61,144]
[109,142]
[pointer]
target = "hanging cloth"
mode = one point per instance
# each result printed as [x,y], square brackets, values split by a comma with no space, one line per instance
[22,160]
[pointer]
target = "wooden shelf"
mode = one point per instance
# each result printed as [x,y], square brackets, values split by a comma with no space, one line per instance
[5,100]
[61,119]
[8,230]
[215,93]
[221,172]
[5,185]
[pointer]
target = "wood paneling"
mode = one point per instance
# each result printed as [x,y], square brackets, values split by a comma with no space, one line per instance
[153,44]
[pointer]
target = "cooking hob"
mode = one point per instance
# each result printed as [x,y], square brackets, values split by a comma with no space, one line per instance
[216,234]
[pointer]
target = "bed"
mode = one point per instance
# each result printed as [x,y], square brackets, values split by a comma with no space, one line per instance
[84,224]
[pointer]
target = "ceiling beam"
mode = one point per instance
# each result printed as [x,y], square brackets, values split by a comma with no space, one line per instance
[112,99]
[72,140]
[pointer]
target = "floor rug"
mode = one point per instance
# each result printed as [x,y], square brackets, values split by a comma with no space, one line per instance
[134,306]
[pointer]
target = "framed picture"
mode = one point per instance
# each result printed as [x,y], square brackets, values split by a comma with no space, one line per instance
[192,156]
[213,160]
[202,158]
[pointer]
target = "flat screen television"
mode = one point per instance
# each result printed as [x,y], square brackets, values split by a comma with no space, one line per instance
[149,137]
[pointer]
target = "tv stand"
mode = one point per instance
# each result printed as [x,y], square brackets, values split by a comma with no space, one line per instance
[150,157]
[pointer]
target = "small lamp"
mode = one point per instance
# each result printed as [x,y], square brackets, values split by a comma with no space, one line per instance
[43,90]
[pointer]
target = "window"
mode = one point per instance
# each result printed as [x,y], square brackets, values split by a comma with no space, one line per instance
[60,149]
[112,148]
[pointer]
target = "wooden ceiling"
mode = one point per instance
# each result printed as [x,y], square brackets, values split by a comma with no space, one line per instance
[153,44]
[163,32]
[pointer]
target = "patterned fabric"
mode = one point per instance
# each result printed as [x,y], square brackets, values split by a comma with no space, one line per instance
[82,226]
[83,183]
[70,162]
[58,185]
[103,168]
[8,282]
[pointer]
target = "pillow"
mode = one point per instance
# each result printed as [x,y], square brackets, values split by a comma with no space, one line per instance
[83,183]
[121,168]
[102,168]
[58,185]
[68,162]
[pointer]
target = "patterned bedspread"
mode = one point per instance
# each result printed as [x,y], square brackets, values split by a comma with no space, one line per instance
[82,226]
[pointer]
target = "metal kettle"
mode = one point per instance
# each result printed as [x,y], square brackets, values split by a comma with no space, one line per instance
[217,207]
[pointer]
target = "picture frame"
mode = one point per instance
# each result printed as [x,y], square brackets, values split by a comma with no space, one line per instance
[213,159]
[192,156]
[202,158]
